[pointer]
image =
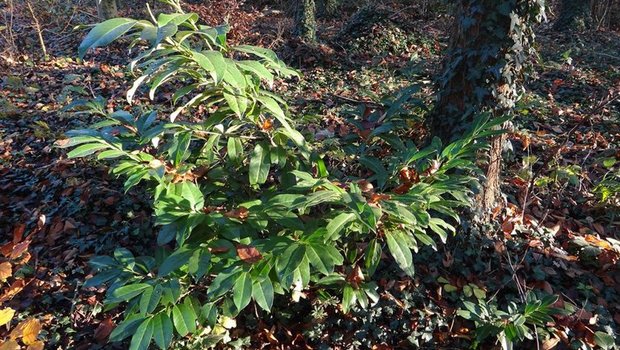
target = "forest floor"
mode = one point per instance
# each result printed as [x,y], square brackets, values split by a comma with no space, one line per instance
[559,232]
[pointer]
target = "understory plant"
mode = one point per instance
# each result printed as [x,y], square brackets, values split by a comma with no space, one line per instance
[246,209]
[525,320]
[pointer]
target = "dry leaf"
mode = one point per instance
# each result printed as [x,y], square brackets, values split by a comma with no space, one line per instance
[248,253]
[598,242]
[37,345]
[15,288]
[240,213]
[6,271]
[9,345]
[104,329]
[19,249]
[6,315]
[30,331]
[18,233]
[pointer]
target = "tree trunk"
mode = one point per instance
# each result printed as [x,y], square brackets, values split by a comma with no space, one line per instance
[106,9]
[305,20]
[490,46]
[574,15]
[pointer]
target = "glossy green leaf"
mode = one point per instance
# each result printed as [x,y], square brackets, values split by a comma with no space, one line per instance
[242,292]
[400,251]
[174,262]
[162,330]
[128,292]
[184,319]
[337,224]
[104,33]
[86,150]
[259,165]
[142,338]
[126,328]
[263,293]
[150,299]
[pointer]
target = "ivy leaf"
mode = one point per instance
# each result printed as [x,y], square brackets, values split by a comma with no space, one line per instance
[604,340]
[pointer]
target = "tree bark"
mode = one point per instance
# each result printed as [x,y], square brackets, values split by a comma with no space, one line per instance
[106,9]
[490,46]
[305,20]
[574,15]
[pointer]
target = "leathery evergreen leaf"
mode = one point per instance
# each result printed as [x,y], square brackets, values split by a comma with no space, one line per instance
[259,165]
[400,251]
[142,338]
[262,293]
[104,33]
[162,330]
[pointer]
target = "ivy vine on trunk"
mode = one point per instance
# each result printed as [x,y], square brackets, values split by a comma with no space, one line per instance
[490,49]
[305,20]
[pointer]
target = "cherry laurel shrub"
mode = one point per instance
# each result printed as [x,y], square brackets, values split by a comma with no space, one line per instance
[247,210]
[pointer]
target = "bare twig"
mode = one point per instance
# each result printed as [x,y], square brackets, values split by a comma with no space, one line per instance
[38,28]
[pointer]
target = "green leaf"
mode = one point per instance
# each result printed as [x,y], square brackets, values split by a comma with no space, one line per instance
[223,283]
[110,154]
[337,224]
[262,293]
[290,260]
[400,251]
[609,162]
[373,256]
[604,340]
[257,69]
[104,33]
[177,259]
[242,293]
[319,259]
[213,62]
[348,298]
[233,104]
[86,150]
[176,18]
[234,148]
[259,165]
[258,51]
[126,328]
[178,150]
[150,299]
[162,330]
[142,338]
[275,109]
[184,318]
[233,76]
[199,263]
[128,292]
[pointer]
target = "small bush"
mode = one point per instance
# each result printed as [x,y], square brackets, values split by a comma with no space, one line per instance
[246,209]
